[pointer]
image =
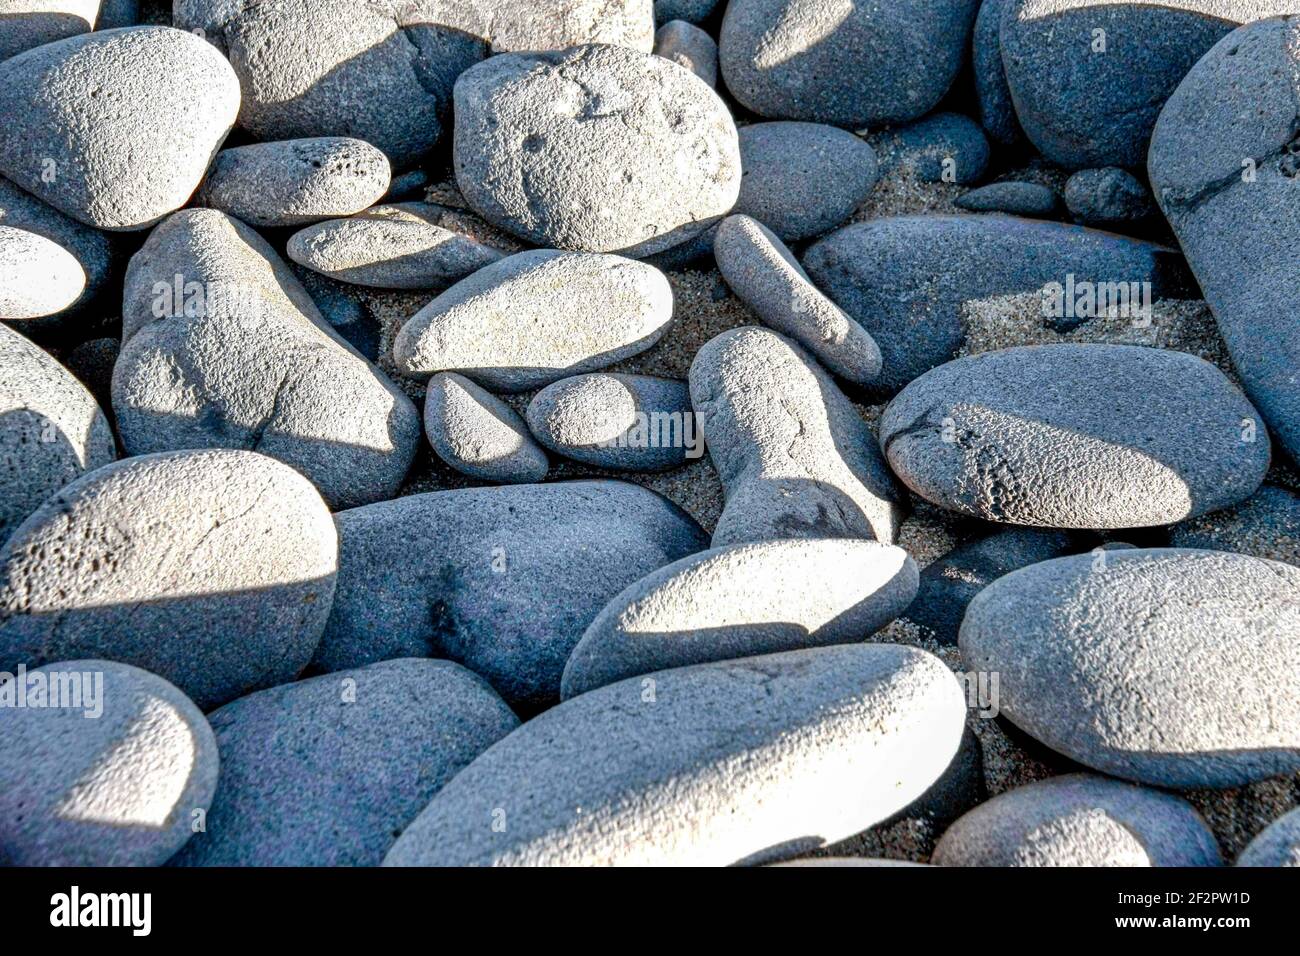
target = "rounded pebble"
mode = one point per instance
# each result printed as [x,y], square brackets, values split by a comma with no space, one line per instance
[997,111]
[1107,197]
[690,47]
[38,277]
[25,24]
[1015,198]
[478,434]
[943,148]
[1266,525]
[1277,845]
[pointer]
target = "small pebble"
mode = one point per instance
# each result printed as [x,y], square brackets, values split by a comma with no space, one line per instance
[1014,198]
[38,277]
[1266,525]
[478,434]
[1277,845]
[1108,197]
[942,148]
[688,46]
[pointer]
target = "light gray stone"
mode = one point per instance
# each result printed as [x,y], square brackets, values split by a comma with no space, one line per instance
[31,23]
[478,434]
[521,25]
[688,46]
[38,277]
[1277,845]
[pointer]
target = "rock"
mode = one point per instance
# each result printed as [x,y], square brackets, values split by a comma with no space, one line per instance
[945,147]
[1266,525]
[212,569]
[1224,165]
[51,429]
[633,422]
[906,280]
[843,861]
[795,458]
[801,179]
[520,25]
[582,311]
[948,585]
[108,770]
[595,148]
[742,601]
[118,13]
[1277,845]
[478,434]
[410,185]
[38,277]
[1015,198]
[767,278]
[107,153]
[1107,197]
[853,65]
[688,46]
[997,113]
[327,771]
[1080,820]
[92,363]
[25,24]
[750,760]
[1165,666]
[235,354]
[412,245]
[1034,436]
[502,580]
[296,181]
[344,309]
[692,11]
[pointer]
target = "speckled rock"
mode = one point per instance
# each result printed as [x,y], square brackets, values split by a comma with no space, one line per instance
[1277,845]
[1165,666]
[516,25]
[38,277]
[1110,196]
[236,354]
[997,113]
[692,11]
[1015,198]
[478,434]
[296,181]
[595,148]
[212,569]
[853,65]
[30,23]
[413,245]
[767,278]
[327,771]
[944,147]
[1080,820]
[1266,525]
[536,317]
[690,47]
[741,601]
[109,770]
[801,179]
[502,580]
[115,162]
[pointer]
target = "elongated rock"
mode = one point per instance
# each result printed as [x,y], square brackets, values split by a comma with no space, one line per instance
[1277,845]
[715,764]
[478,434]
[997,113]
[30,23]
[742,601]
[38,277]
[1014,198]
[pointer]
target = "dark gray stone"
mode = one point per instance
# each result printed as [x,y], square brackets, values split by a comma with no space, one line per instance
[478,434]
[692,11]
[118,13]
[1102,197]
[342,306]
[92,363]
[1277,845]
[1015,198]
[690,47]
[945,147]
[1266,525]
[997,113]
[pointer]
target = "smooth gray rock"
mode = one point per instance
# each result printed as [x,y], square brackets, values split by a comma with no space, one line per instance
[536,317]
[118,13]
[502,580]
[1079,820]
[692,11]
[843,861]
[749,760]
[51,429]
[609,420]
[742,601]
[328,771]
[31,23]
[1277,845]
[690,47]
[907,279]
[296,181]
[850,64]
[478,434]
[767,278]
[38,277]
[410,185]
[1015,198]
[1165,666]
[1225,164]
[212,569]
[1077,436]
[1266,525]
[942,148]
[91,122]
[997,112]
[345,309]
[595,148]
[801,179]
[1108,197]
[235,354]
[412,245]
[109,770]
[795,458]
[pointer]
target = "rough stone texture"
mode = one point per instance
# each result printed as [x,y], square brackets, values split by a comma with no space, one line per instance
[38,277]
[749,760]
[690,47]
[906,279]
[107,153]
[537,317]
[1278,845]
[1077,436]
[478,434]
[1108,197]
[742,601]
[212,569]
[765,275]
[942,148]
[1266,525]
[240,357]
[997,113]
[327,771]
[520,25]
[850,64]
[31,23]
[1080,820]
[596,148]
[92,363]
[502,580]
[296,181]
[692,11]
[114,789]
[1015,198]
[1232,119]
[1165,666]
[795,458]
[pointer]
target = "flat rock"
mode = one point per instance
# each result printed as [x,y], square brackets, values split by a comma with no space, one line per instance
[1165,666]
[1266,525]
[795,458]
[942,148]
[536,317]
[1015,198]
[212,569]
[1109,196]
[327,771]
[502,580]
[1277,845]
[478,434]
[997,112]
[91,122]
[742,601]
[33,23]
[749,760]
[595,148]
[690,47]
[108,770]
[38,277]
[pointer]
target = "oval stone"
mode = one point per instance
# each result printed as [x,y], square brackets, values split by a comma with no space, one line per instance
[38,277]
[1277,845]
[478,434]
